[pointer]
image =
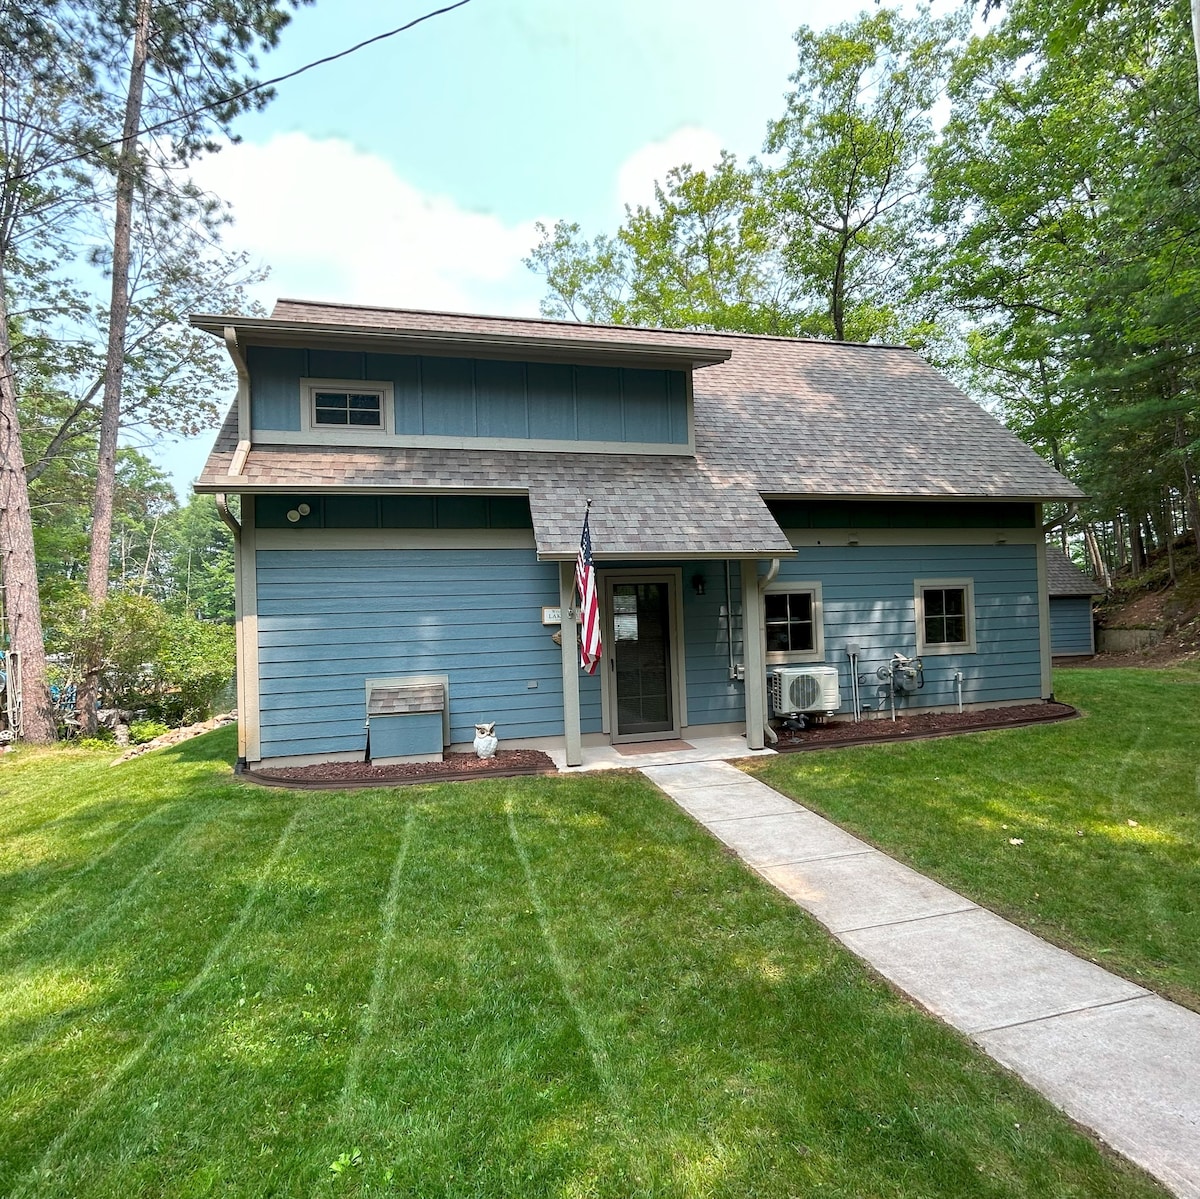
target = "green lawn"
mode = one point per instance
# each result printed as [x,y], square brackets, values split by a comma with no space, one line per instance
[1107,810]
[532,987]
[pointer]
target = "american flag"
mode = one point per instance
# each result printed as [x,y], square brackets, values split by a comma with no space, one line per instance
[589,605]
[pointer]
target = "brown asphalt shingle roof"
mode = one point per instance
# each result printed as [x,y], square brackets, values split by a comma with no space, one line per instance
[781,417]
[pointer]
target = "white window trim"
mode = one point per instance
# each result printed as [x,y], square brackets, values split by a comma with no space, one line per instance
[385,431]
[958,647]
[817,653]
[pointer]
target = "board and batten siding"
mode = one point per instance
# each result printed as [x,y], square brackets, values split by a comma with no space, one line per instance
[484,398]
[330,619]
[867,595]
[712,696]
[1071,625]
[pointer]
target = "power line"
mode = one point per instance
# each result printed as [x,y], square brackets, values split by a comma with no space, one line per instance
[257,87]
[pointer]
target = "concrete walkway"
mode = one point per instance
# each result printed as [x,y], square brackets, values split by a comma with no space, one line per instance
[1118,1059]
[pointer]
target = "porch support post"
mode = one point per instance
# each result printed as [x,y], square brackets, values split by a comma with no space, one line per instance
[570,664]
[754,655]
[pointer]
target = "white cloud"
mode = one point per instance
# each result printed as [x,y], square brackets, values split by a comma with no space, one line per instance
[335,223]
[639,172]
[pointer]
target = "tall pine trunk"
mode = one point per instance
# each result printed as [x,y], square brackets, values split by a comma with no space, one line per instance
[18,560]
[114,367]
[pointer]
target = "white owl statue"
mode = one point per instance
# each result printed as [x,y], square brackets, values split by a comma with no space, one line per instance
[485,740]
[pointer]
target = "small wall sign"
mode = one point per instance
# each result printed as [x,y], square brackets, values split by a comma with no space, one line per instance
[551,616]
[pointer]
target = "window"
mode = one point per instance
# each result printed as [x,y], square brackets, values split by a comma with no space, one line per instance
[792,615]
[347,409]
[945,614]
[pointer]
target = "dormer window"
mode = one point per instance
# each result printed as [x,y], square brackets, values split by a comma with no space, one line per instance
[347,410]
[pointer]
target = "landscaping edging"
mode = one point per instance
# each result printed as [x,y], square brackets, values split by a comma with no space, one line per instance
[387,779]
[797,744]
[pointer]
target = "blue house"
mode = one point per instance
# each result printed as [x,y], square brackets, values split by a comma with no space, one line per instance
[779,526]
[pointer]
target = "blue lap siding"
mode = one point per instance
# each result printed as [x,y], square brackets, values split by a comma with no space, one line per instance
[330,619]
[868,598]
[1071,624]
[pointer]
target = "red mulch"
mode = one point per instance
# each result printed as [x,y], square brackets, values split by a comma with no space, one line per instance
[919,726]
[506,764]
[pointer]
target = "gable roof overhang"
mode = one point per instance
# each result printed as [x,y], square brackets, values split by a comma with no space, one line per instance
[648,351]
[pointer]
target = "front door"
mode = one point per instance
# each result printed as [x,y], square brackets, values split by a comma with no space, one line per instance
[641,664]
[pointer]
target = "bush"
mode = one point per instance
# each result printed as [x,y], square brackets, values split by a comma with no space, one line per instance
[141,731]
[193,668]
[173,667]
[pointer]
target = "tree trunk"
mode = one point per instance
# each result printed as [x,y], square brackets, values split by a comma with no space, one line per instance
[1196,38]
[1191,502]
[1137,556]
[1169,526]
[18,560]
[114,366]
[1099,565]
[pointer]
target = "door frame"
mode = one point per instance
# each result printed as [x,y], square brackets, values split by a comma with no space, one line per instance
[672,576]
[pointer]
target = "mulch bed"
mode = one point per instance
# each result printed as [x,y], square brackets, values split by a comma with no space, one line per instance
[508,763]
[920,726]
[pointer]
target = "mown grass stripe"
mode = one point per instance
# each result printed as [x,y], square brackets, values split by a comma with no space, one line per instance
[379,977]
[25,919]
[601,1062]
[90,933]
[131,1060]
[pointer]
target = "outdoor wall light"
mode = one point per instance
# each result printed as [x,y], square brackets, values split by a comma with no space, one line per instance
[698,584]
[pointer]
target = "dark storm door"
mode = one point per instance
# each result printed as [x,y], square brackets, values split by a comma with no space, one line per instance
[641,665]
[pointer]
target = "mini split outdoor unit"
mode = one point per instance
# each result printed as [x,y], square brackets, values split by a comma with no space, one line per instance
[812,689]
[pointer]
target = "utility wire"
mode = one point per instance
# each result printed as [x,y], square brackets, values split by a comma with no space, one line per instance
[257,87]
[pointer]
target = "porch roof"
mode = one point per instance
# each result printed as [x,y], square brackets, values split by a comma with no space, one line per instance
[645,506]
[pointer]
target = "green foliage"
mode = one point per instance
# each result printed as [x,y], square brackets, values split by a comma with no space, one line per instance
[141,731]
[172,664]
[816,241]
[193,667]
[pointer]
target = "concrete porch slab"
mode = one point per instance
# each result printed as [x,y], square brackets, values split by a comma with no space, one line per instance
[1130,1070]
[703,749]
[979,972]
[796,836]
[862,891]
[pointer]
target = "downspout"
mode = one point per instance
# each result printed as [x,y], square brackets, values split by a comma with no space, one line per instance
[771,735]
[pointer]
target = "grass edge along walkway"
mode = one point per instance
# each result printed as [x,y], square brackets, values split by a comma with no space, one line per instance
[536,987]
[1084,832]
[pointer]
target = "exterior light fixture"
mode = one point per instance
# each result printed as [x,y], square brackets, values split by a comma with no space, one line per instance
[698,584]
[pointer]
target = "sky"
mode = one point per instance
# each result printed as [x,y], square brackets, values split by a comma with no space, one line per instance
[413,173]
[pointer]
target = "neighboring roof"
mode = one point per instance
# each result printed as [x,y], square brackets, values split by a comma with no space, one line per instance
[774,417]
[1064,578]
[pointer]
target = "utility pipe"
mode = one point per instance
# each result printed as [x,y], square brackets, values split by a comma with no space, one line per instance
[729,619]
[958,682]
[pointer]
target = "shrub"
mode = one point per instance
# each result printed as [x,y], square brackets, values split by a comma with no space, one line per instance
[141,731]
[193,667]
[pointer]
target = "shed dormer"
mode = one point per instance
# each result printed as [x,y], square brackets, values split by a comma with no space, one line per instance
[327,375]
